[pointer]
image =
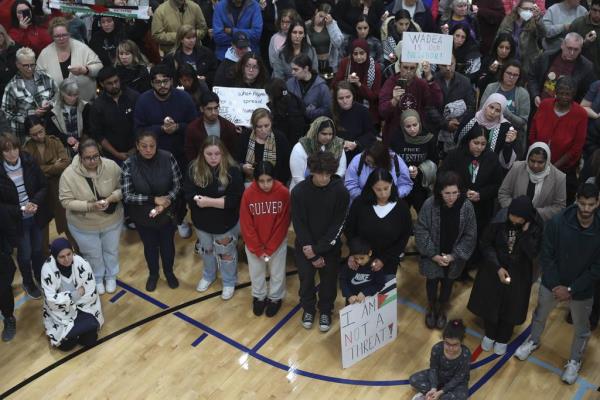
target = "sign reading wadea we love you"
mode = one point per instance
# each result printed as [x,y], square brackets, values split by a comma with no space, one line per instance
[423,46]
[366,327]
[237,104]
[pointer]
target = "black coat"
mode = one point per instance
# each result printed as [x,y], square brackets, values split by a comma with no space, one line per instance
[8,68]
[35,185]
[205,63]
[491,299]
[282,165]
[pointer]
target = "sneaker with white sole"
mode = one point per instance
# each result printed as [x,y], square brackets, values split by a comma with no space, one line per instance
[184,230]
[571,372]
[100,288]
[500,348]
[111,285]
[227,292]
[203,285]
[487,344]
[526,349]
[325,322]
[307,320]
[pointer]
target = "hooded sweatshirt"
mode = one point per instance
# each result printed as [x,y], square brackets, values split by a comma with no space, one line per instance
[265,218]
[570,254]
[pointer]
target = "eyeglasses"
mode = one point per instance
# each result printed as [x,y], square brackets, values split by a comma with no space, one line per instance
[28,66]
[251,67]
[163,82]
[61,36]
[91,158]
[511,75]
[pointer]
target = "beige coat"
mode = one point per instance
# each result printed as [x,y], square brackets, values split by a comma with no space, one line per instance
[53,162]
[77,197]
[167,19]
[552,198]
[80,55]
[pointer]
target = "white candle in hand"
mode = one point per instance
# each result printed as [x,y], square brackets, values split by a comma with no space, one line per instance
[153,213]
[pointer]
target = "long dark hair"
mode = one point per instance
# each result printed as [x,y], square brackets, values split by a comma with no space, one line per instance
[287,50]
[443,180]
[378,174]
[14,20]
[503,37]
[261,78]
[264,168]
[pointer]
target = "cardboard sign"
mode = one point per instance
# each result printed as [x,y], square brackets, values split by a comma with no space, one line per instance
[366,327]
[237,104]
[132,9]
[423,46]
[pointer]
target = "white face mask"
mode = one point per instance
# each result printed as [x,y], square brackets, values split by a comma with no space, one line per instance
[525,15]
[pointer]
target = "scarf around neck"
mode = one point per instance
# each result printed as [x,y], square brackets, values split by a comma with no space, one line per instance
[420,138]
[538,178]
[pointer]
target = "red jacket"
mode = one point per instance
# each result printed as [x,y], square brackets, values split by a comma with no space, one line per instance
[265,218]
[564,135]
[34,37]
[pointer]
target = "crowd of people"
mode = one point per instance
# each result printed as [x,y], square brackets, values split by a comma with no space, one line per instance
[109,122]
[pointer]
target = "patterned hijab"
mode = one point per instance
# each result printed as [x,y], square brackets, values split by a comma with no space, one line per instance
[311,144]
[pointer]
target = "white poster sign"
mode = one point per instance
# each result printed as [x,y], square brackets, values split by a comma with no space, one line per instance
[424,46]
[237,104]
[366,327]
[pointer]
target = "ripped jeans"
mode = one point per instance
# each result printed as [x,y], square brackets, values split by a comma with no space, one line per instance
[220,251]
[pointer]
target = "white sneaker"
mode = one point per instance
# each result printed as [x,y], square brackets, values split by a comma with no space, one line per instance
[571,372]
[203,285]
[526,349]
[111,285]
[419,396]
[184,230]
[100,288]
[227,292]
[487,344]
[500,348]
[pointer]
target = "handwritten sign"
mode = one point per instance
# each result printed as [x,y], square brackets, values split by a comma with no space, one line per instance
[237,104]
[122,9]
[366,327]
[423,46]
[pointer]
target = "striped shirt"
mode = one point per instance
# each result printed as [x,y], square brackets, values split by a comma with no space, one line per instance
[15,173]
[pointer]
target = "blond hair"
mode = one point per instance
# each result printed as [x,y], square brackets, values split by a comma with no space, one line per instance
[201,173]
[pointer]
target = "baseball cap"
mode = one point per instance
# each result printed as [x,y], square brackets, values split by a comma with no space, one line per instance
[240,40]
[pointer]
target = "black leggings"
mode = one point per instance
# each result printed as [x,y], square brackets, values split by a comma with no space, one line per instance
[7,274]
[444,292]
[499,331]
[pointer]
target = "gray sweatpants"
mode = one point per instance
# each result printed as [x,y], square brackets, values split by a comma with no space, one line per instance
[258,268]
[580,311]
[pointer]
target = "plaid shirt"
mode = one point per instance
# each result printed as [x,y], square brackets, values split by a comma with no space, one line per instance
[128,190]
[17,102]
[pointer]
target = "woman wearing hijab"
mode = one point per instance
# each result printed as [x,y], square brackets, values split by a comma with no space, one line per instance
[482,175]
[538,179]
[419,152]
[500,294]
[499,133]
[364,73]
[321,136]
[72,310]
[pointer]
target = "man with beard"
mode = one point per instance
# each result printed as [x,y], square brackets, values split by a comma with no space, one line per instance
[167,112]
[570,262]
[111,116]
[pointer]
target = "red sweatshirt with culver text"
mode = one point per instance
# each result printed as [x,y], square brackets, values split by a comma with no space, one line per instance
[265,218]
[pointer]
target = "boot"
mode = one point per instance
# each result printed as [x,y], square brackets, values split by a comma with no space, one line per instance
[441,315]
[430,316]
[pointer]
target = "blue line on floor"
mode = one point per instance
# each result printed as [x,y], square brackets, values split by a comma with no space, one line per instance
[512,347]
[276,328]
[199,340]
[483,362]
[142,295]
[117,296]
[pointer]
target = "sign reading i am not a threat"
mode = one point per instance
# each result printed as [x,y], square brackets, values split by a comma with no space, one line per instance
[366,327]
[237,104]
[423,46]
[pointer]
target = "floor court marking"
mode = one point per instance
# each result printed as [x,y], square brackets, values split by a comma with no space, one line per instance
[117,296]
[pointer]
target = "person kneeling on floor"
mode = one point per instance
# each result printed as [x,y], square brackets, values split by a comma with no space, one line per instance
[358,278]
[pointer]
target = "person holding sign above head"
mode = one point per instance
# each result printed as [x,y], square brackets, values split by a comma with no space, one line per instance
[319,207]
[500,294]
[448,374]
[360,279]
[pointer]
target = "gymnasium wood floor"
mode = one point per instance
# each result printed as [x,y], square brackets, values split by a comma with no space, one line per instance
[180,344]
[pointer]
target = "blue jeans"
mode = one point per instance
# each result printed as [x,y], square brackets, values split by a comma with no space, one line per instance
[29,252]
[100,249]
[213,252]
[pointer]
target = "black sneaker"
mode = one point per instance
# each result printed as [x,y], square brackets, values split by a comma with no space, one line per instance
[324,322]
[258,306]
[307,319]
[272,307]
[10,329]
[32,291]
[172,281]
[151,284]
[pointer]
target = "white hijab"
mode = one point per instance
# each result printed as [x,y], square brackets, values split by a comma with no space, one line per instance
[538,178]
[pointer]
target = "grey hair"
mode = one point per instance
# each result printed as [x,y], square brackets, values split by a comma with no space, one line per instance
[25,52]
[576,37]
[69,86]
